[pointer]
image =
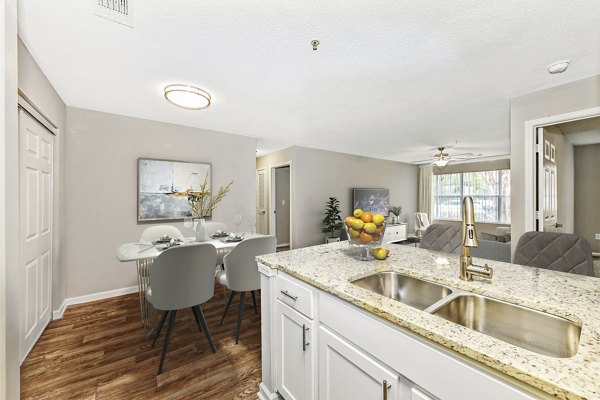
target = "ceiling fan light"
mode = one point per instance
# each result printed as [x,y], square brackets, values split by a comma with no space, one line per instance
[187,96]
[441,163]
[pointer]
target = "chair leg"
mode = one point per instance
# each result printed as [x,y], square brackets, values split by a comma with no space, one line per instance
[197,320]
[254,301]
[160,326]
[239,318]
[227,307]
[200,316]
[172,315]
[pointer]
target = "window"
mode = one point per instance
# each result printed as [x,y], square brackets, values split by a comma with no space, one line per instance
[490,191]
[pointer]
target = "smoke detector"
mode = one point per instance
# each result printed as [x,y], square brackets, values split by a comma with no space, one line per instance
[120,11]
[558,67]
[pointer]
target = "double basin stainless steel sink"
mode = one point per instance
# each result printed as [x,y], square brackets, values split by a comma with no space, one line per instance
[533,330]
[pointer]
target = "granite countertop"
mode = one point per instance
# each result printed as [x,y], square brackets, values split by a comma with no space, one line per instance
[577,298]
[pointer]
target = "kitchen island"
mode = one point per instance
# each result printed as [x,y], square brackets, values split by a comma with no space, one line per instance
[324,337]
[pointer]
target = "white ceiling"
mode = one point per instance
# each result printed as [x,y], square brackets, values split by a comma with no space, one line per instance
[391,79]
[582,131]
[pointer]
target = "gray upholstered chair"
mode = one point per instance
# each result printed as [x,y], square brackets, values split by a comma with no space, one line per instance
[440,237]
[555,251]
[182,277]
[241,272]
[155,232]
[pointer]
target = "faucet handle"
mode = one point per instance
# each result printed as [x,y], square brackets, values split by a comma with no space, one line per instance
[484,271]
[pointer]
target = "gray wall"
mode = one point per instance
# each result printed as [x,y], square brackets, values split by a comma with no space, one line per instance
[34,85]
[561,99]
[102,187]
[319,174]
[9,200]
[587,193]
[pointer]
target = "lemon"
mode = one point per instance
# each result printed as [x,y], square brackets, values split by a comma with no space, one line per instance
[378,219]
[380,253]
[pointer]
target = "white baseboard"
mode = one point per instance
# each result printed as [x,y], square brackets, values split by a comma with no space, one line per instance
[283,244]
[57,314]
[265,394]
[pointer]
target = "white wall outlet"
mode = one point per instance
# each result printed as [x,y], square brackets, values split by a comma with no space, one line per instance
[597,236]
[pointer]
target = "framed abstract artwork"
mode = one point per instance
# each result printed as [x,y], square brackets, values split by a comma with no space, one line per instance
[162,188]
[376,201]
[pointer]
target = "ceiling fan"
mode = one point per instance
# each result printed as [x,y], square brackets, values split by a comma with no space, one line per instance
[442,159]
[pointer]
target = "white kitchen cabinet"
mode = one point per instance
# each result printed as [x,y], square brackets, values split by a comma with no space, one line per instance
[418,394]
[317,346]
[295,353]
[345,372]
[394,233]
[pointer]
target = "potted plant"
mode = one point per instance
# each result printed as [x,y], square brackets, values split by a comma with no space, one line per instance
[396,211]
[332,221]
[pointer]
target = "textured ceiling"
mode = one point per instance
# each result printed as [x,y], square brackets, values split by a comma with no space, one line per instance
[391,79]
[582,132]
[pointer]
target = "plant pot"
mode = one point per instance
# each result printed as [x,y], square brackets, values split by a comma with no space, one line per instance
[329,239]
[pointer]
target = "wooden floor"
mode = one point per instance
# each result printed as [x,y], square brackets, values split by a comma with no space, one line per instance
[98,351]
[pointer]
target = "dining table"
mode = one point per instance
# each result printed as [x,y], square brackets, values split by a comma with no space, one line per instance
[144,254]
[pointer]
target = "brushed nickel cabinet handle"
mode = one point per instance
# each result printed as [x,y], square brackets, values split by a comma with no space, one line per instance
[304,344]
[286,293]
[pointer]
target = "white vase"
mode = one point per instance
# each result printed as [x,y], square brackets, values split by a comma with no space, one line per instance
[200,229]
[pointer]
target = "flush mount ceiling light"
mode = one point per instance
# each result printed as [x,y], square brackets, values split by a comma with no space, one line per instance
[187,96]
[558,67]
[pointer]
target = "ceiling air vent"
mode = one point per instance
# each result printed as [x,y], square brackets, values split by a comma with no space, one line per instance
[120,11]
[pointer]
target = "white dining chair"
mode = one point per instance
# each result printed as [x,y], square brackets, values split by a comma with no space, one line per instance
[155,232]
[241,272]
[182,277]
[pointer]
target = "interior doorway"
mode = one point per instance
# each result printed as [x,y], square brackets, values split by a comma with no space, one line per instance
[576,190]
[280,222]
[261,201]
[567,175]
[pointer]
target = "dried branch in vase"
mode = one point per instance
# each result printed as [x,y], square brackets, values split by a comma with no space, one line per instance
[202,202]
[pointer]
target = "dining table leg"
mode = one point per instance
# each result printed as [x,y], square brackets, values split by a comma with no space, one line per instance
[150,316]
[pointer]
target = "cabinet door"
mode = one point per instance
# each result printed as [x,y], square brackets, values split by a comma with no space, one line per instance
[418,394]
[295,367]
[345,372]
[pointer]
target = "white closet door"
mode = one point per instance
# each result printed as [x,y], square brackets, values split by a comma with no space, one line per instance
[35,175]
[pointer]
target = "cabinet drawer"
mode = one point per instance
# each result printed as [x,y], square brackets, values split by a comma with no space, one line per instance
[295,295]
[394,233]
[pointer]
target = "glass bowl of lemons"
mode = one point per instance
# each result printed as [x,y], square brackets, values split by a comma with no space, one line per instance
[365,231]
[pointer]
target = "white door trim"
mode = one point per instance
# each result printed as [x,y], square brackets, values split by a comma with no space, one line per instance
[27,105]
[272,185]
[529,146]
